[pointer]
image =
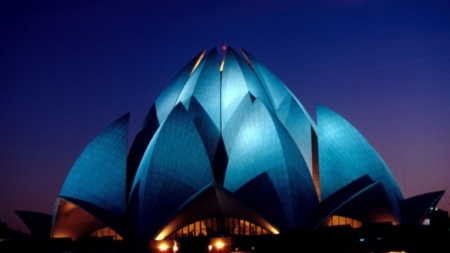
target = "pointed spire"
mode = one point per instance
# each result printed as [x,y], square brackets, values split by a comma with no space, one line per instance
[224,51]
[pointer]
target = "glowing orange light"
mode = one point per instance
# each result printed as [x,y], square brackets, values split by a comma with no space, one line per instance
[219,245]
[175,248]
[209,247]
[163,247]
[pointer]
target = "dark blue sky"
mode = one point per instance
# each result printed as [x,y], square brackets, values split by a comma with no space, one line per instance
[70,68]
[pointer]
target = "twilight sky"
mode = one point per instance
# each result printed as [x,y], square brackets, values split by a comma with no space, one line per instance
[70,68]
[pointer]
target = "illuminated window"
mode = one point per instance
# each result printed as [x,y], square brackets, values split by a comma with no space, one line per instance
[336,220]
[106,232]
[191,229]
[219,226]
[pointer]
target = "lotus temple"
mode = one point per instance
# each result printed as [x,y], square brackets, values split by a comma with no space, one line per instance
[227,151]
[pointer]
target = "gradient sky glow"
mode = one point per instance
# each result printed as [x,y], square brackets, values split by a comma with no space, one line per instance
[70,68]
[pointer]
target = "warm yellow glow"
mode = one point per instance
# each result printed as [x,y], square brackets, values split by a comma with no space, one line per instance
[209,247]
[68,207]
[163,247]
[336,220]
[61,235]
[222,64]
[198,62]
[71,221]
[219,245]
[107,232]
[204,227]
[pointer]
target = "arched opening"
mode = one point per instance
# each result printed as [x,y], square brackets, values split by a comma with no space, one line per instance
[219,226]
[106,232]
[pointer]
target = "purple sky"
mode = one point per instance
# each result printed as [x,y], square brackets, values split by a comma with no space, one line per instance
[70,68]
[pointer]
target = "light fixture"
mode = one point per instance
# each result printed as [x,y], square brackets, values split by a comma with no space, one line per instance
[163,247]
[219,245]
